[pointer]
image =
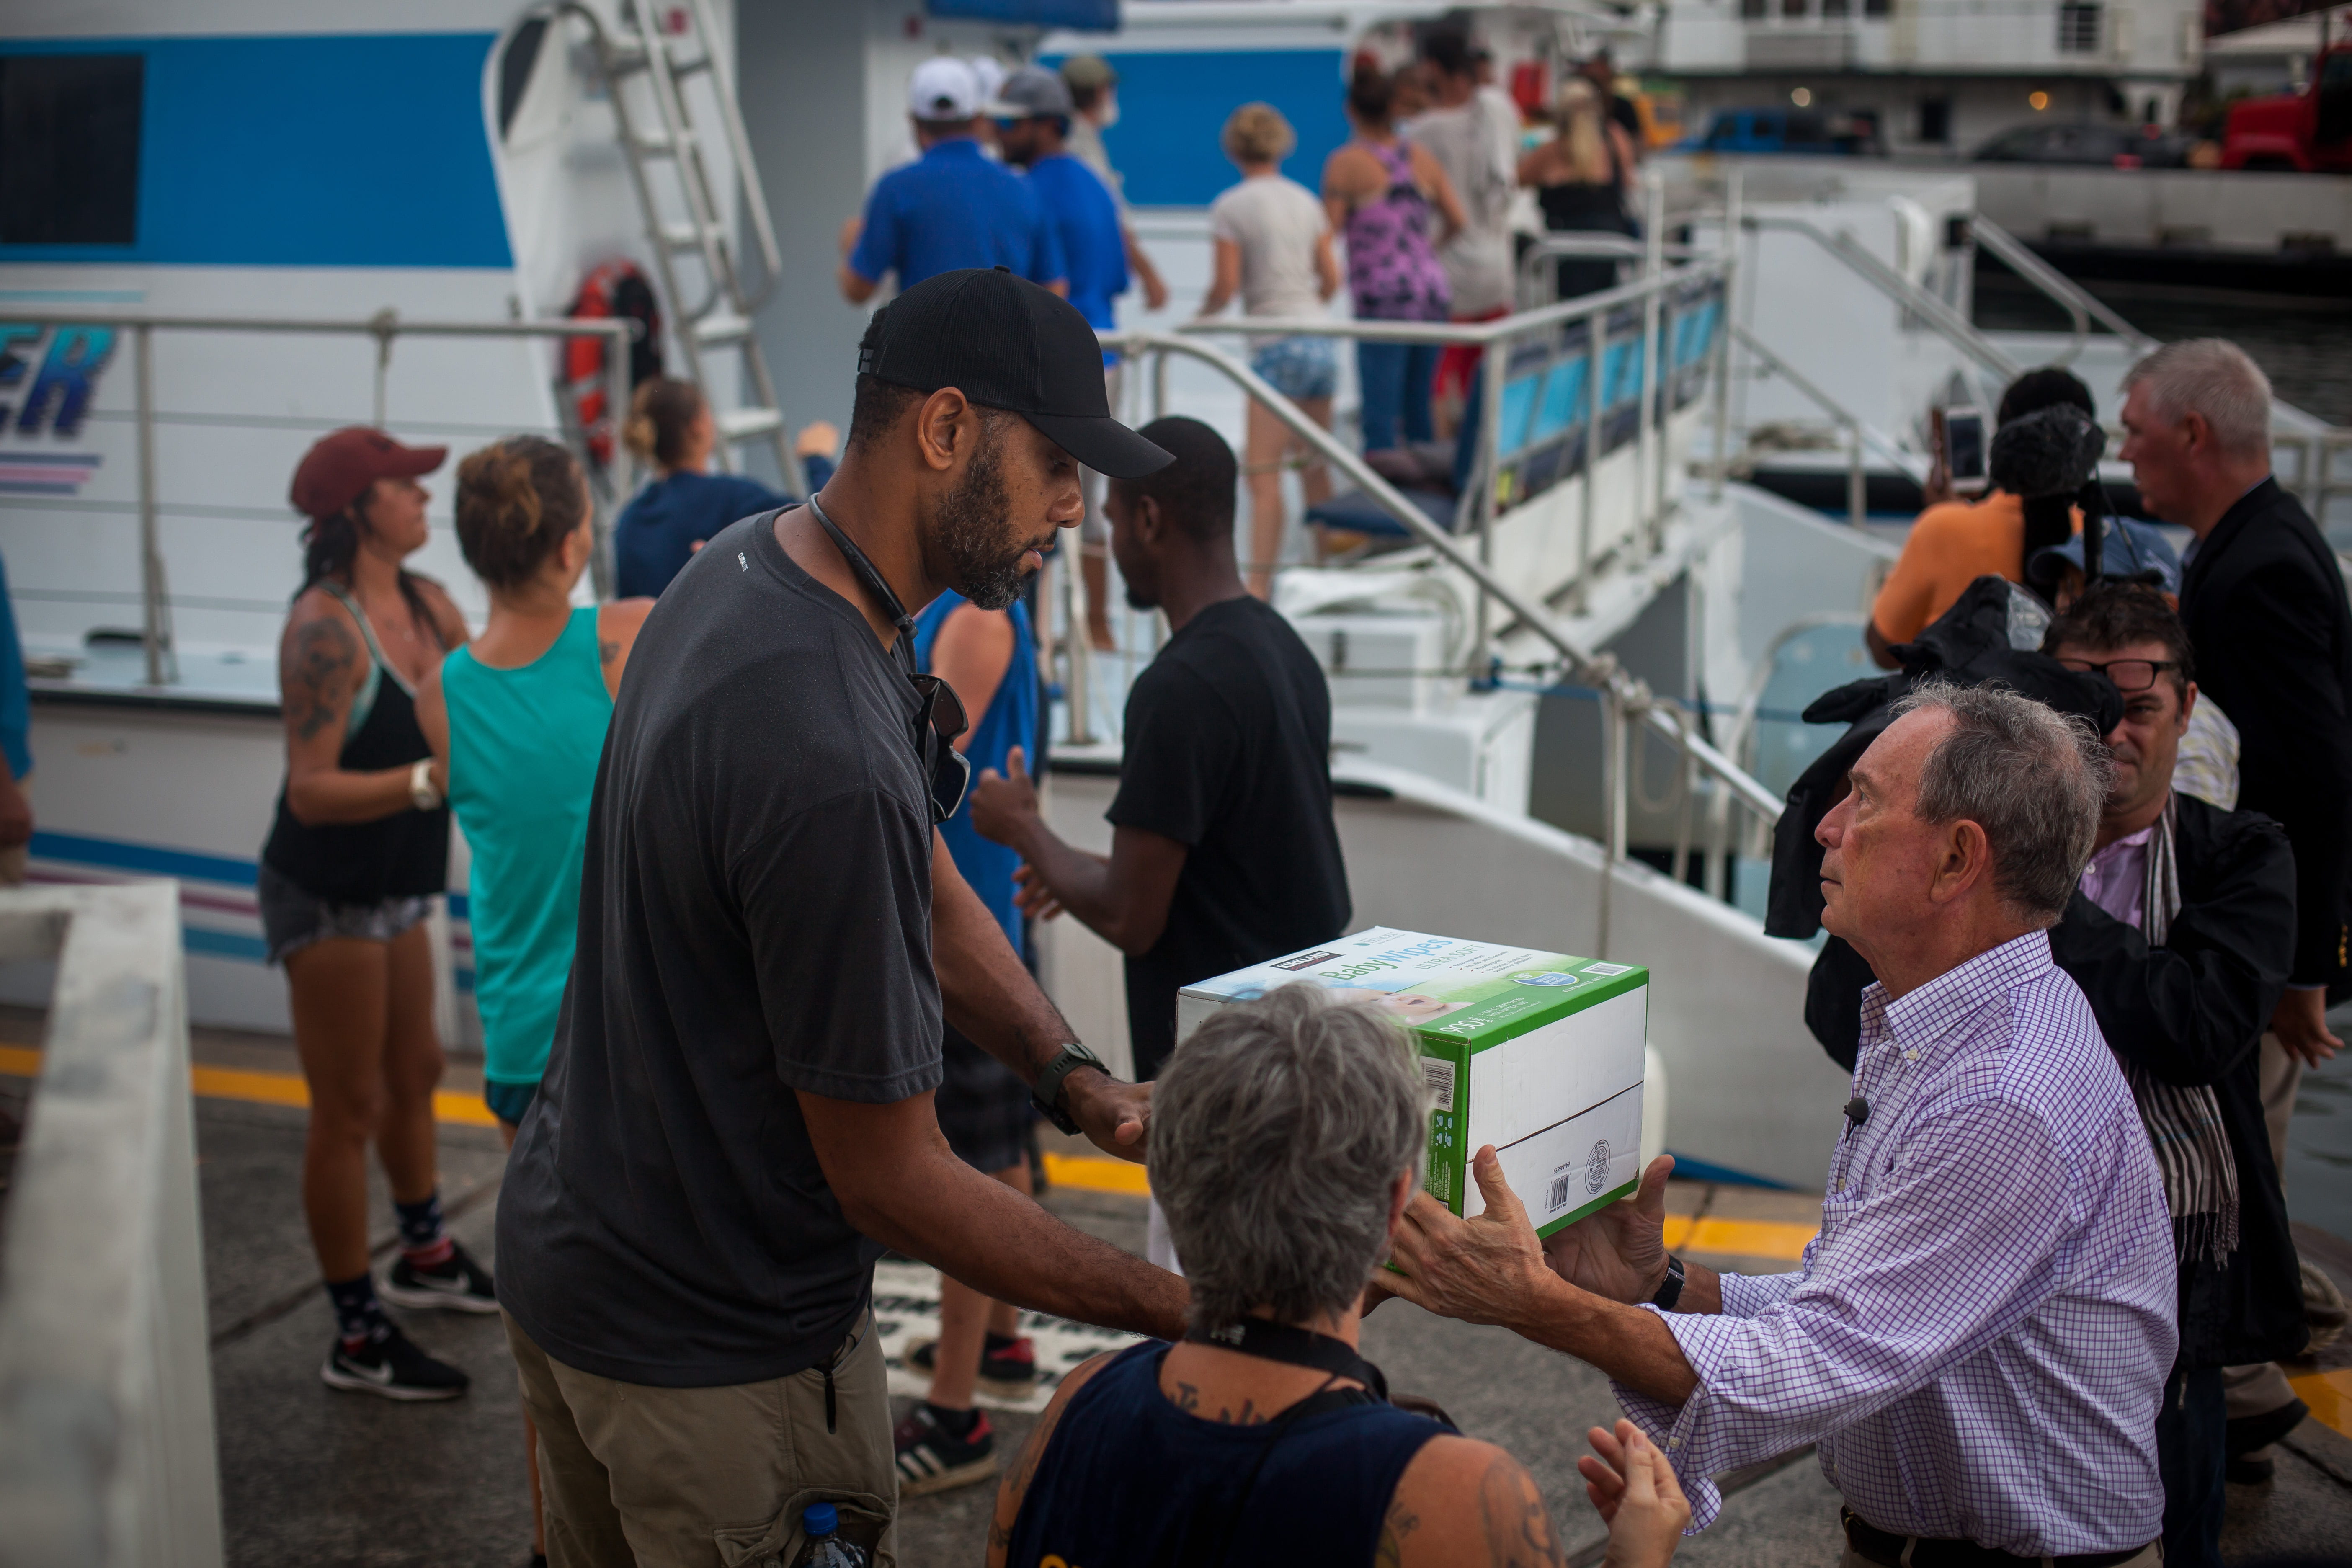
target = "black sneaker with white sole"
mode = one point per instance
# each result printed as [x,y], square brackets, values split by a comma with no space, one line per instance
[394,1368]
[932,1459]
[459,1285]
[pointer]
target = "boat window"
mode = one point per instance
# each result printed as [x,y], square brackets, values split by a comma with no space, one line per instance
[69,149]
[515,64]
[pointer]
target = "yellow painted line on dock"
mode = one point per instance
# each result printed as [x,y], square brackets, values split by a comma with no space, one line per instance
[1092,1174]
[1726,1237]
[2329,1394]
[253,1088]
[1738,1237]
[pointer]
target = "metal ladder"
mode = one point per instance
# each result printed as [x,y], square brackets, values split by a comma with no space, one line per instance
[721,318]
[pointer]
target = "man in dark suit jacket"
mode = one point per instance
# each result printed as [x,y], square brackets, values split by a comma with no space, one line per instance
[2266,613]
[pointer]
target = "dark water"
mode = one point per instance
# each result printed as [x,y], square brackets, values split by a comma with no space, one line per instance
[2304,347]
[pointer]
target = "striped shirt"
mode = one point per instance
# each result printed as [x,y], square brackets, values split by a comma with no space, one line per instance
[1977,1338]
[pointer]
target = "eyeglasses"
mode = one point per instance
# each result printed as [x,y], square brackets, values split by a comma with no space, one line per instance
[2128,674]
[939,725]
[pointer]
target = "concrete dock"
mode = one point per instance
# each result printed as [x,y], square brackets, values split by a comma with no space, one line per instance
[312,1476]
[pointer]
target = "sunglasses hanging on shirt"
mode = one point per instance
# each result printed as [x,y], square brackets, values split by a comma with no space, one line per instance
[940,720]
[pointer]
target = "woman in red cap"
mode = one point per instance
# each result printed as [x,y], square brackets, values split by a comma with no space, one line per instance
[360,849]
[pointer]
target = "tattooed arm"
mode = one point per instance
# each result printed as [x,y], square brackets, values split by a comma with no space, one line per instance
[320,665]
[1467,1504]
[617,634]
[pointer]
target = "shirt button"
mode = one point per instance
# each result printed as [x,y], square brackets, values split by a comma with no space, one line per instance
[1910,1055]
[1841,1183]
[1674,1442]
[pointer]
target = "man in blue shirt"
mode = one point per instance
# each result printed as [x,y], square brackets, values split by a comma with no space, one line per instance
[1033,113]
[952,207]
[1033,126]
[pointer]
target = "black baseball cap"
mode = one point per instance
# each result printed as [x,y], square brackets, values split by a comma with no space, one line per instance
[1006,342]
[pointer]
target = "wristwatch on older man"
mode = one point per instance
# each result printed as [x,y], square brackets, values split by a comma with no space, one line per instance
[1047,1091]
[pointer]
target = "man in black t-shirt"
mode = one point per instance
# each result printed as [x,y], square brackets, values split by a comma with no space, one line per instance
[737,1113]
[1223,853]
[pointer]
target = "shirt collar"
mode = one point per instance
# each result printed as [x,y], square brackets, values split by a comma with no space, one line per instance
[954,147]
[2128,841]
[1935,1010]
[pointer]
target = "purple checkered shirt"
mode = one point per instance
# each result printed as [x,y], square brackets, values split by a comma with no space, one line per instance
[1981,1331]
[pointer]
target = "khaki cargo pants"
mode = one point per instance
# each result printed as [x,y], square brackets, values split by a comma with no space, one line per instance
[638,1477]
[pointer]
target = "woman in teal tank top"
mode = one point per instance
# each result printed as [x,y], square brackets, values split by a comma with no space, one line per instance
[516,723]
[516,720]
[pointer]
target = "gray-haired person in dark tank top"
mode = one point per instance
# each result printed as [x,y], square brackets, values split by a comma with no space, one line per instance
[358,850]
[1288,1135]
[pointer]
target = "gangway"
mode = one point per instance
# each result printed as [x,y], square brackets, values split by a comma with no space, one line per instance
[719,319]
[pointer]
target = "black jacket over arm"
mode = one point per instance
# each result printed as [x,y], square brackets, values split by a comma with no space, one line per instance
[2191,1012]
[2265,609]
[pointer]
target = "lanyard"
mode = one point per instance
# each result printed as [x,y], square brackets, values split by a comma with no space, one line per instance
[1270,1340]
[864,571]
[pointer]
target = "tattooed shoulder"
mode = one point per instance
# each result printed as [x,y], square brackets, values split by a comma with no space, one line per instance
[1518,1528]
[1401,1522]
[320,656]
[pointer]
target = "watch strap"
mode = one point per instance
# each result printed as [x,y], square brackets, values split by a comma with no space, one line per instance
[1047,1090]
[1671,1291]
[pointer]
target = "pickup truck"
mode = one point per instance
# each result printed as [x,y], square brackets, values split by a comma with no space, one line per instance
[2308,131]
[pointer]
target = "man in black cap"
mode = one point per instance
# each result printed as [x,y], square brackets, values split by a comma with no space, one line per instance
[737,1114]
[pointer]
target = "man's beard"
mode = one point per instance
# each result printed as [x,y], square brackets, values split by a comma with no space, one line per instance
[975,529]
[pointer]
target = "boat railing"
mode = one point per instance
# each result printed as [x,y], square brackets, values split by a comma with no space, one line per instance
[1859,431]
[2079,304]
[106,1448]
[1939,314]
[387,327]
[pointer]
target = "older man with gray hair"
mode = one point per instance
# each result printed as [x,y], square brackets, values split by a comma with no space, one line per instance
[1979,1337]
[1286,1135]
[2268,619]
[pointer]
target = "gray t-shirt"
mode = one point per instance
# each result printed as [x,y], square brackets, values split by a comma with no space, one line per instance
[754,919]
[1478,146]
[1276,222]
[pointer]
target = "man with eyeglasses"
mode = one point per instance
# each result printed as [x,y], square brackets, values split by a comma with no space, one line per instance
[736,1117]
[2181,936]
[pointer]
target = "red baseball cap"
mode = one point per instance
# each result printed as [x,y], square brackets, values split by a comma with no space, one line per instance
[338,471]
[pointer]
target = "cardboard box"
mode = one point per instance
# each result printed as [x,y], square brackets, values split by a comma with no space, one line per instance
[1540,1053]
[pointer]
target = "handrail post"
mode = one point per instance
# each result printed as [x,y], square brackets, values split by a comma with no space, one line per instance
[619,470]
[383,326]
[1614,734]
[1489,474]
[1596,350]
[1734,187]
[1078,648]
[1649,490]
[1857,492]
[151,555]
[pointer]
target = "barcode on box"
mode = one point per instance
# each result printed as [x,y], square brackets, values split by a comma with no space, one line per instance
[1557,1199]
[1438,1073]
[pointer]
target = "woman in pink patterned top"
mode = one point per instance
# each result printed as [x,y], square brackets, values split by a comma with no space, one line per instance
[1379,190]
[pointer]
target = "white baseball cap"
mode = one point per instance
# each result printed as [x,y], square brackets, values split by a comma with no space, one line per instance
[943,88]
[989,71]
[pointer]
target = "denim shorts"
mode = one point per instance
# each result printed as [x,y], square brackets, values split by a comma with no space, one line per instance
[292,919]
[1302,369]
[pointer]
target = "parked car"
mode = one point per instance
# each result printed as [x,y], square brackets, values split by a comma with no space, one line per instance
[1816,132]
[2088,144]
[2307,130]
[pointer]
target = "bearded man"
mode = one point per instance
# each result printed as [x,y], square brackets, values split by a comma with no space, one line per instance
[736,1117]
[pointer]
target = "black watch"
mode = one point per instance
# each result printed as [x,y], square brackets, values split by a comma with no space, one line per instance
[1047,1092]
[1671,1291]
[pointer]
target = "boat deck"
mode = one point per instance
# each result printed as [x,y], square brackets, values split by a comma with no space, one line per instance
[312,1476]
